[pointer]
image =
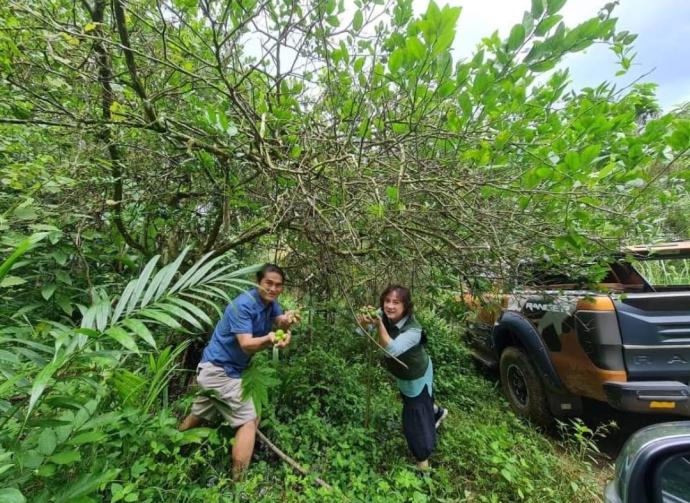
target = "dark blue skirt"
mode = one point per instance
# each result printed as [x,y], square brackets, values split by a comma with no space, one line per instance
[419,424]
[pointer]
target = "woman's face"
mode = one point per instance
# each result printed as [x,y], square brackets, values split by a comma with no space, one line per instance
[393,307]
[270,286]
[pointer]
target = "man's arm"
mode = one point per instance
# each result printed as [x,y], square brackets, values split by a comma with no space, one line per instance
[251,345]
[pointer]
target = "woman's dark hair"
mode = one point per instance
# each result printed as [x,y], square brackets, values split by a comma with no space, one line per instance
[403,293]
[266,268]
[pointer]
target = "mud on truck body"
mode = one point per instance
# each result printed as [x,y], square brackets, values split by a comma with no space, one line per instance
[625,342]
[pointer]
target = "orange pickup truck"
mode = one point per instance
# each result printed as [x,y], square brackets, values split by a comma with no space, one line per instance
[625,342]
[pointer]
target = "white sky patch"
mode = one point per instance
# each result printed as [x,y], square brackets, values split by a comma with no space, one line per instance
[663,28]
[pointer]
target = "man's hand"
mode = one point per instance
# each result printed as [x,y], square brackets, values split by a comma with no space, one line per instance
[293,316]
[287,337]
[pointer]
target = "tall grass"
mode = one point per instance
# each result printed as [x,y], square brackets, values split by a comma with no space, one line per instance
[667,272]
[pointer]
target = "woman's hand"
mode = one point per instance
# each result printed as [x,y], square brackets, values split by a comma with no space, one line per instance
[368,315]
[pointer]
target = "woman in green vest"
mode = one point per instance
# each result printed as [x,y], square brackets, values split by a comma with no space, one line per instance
[402,337]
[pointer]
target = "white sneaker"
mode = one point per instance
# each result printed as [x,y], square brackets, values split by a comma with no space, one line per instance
[440,415]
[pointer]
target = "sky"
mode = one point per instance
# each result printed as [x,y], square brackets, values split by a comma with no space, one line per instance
[663,28]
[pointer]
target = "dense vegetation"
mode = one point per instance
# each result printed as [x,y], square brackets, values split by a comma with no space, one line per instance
[150,152]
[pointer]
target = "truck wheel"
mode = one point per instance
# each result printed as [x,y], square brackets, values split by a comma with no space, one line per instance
[523,388]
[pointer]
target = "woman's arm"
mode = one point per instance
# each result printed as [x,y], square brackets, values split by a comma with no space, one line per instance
[384,338]
[406,340]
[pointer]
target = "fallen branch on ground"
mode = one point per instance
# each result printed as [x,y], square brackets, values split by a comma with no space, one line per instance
[289,460]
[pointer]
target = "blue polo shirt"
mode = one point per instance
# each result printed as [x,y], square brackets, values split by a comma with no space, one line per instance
[247,314]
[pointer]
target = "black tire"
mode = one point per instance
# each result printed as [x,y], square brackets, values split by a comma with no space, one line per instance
[523,388]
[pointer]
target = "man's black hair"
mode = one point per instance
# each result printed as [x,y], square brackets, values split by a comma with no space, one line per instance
[266,268]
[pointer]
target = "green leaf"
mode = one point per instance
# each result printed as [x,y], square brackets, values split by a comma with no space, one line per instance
[122,303]
[180,313]
[11,495]
[167,277]
[517,37]
[121,336]
[161,317]
[537,8]
[396,59]
[192,309]
[572,160]
[42,379]
[357,20]
[139,328]
[85,485]
[465,104]
[444,41]
[553,6]
[88,437]
[9,281]
[141,284]
[48,290]
[415,47]
[47,441]
[546,24]
[65,457]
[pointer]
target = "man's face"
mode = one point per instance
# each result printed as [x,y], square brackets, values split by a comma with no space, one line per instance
[270,286]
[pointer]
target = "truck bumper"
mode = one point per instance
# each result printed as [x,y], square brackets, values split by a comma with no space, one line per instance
[667,397]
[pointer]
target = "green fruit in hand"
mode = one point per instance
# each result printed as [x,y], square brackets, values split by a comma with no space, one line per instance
[369,311]
[280,335]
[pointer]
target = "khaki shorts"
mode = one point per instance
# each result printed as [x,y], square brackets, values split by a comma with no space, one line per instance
[228,402]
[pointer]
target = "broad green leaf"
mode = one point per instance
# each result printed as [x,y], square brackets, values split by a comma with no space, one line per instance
[48,290]
[395,60]
[444,41]
[357,20]
[9,281]
[123,337]
[553,6]
[47,441]
[192,309]
[517,37]
[161,317]
[122,303]
[65,457]
[41,381]
[139,328]
[183,281]
[11,495]
[88,437]
[102,312]
[465,104]
[180,314]
[333,21]
[546,24]
[415,47]
[171,270]
[537,8]
[141,284]
[85,485]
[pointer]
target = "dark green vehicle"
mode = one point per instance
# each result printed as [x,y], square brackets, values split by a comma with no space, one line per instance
[654,466]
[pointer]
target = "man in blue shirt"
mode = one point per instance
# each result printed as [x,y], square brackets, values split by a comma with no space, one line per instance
[245,328]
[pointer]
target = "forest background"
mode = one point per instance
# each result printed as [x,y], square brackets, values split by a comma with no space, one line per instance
[152,152]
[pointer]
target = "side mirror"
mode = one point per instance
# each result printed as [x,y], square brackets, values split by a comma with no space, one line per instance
[673,479]
[653,466]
